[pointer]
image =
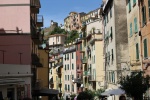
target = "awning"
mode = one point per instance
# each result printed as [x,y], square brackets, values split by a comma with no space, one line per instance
[113,92]
[45,92]
[9,81]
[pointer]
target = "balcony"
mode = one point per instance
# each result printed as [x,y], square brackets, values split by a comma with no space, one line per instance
[92,78]
[37,85]
[36,60]
[77,80]
[59,82]
[36,35]
[84,60]
[35,5]
[86,73]
[39,21]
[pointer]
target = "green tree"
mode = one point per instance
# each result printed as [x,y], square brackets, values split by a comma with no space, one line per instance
[85,95]
[135,85]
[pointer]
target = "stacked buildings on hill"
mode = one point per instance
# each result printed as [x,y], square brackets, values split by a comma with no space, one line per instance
[113,42]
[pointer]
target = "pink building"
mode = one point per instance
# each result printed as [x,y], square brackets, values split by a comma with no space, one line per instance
[19,40]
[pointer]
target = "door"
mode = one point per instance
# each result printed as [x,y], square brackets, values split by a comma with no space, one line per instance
[11,93]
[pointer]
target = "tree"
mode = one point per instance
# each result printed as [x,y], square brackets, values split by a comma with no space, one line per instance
[85,95]
[135,85]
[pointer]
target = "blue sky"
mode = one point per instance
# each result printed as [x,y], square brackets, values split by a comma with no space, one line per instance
[57,10]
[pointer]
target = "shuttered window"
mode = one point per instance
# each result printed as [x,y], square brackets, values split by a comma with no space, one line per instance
[137,51]
[135,25]
[145,48]
[129,3]
[144,15]
[134,2]
[130,29]
[72,66]
[112,54]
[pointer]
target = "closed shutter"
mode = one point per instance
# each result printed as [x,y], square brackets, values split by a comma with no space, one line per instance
[112,55]
[145,49]
[134,1]
[135,25]
[129,3]
[130,29]
[137,51]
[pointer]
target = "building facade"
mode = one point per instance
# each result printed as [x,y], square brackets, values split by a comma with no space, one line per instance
[56,70]
[132,10]
[70,73]
[20,35]
[115,41]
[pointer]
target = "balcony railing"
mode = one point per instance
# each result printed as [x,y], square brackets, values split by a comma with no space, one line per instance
[37,35]
[38,85]
[36,60]
[77,80]
[35,5]
[84,60]
[40,21]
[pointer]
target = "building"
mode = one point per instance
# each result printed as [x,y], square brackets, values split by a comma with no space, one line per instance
[144,13]
[56,70]
[20,35]
[92,52]
[73,21]
[115,41]
[133,35]
[79,79]
[70,70]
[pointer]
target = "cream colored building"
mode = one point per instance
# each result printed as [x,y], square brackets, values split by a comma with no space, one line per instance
[133,34]
[92,52]
[70,70]
[56,72]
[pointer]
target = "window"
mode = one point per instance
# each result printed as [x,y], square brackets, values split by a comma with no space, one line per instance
[72,77]
[134,2]
[107,18]
[65,77]
[65,57]
[129,3]
[109,76]
[68,56]
[130,29]
[149,7]
[135,25]
[110,12]
[144,15]
[68,77]
[72,55]
[80,46]
[145,48]
[65,66]
[66,87]
[68,66]
[58,39]
[106,59]
[72,66]
[137,51]
[72,88]
[111,33]
[108,56]
[94,58]
[112,56]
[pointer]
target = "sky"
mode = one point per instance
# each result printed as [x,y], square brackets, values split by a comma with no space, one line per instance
[58,10]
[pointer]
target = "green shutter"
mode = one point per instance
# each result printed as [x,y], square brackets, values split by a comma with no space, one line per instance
[129,3]
[135,25]
[130,29]
[134,1]
[137,51]
[145,49]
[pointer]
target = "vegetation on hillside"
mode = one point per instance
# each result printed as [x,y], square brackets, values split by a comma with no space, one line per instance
[57,30]
[72,36]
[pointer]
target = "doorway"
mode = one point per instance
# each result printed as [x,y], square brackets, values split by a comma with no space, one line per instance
[11,93]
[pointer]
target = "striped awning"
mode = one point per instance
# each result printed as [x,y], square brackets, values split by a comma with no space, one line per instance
[10,81]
